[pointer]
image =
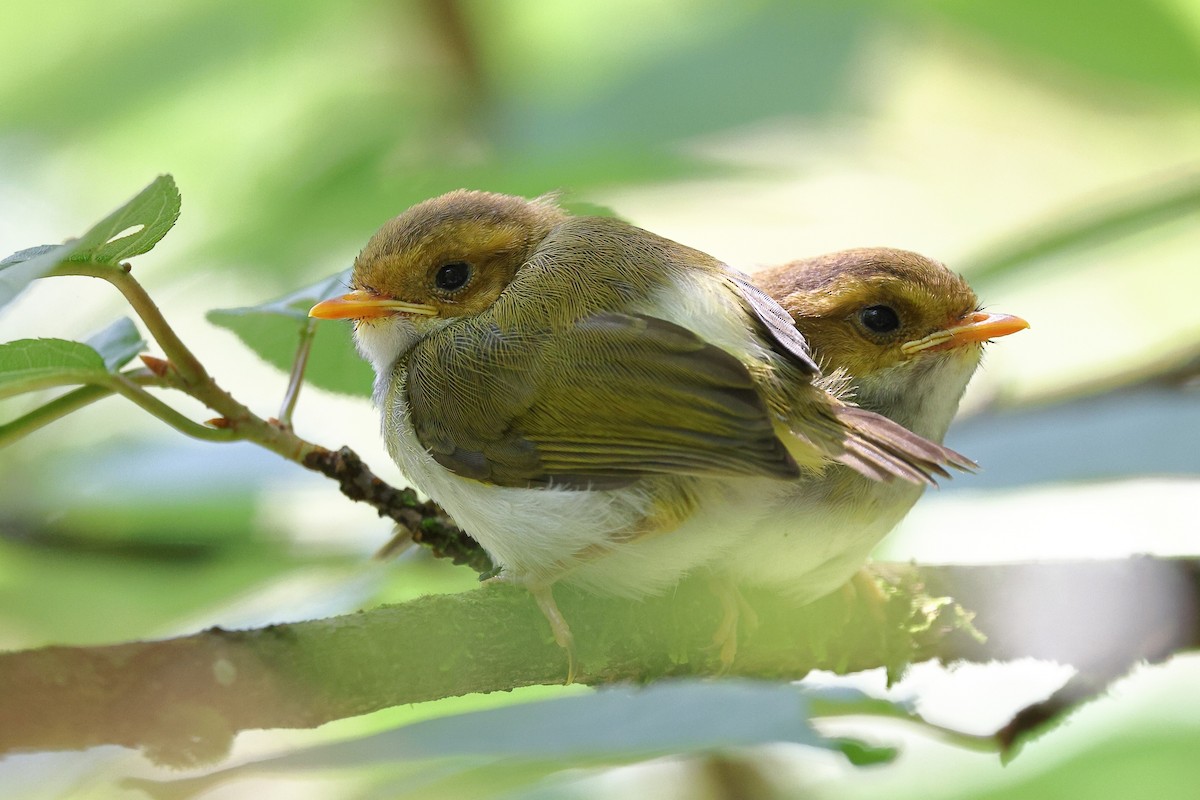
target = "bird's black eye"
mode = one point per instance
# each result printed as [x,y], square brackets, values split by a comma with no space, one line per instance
[879,319]
[452,276]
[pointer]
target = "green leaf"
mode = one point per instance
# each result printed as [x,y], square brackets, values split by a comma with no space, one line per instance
[294,306]
[272,330]
[135,227]
[117,344]
[30,364]
[132,229]
[26,363]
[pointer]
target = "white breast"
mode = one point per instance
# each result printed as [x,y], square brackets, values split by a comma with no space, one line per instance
[540,535]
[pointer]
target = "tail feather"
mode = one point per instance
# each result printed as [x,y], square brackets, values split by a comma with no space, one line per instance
[881,449]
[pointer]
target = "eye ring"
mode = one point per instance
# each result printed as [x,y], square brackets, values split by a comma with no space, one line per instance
[452,276]
[879,319]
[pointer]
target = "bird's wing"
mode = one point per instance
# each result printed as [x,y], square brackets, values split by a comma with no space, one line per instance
[781,331]
[872,445]
[612,398]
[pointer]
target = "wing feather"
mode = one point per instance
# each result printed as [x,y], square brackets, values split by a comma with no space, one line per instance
[600,403]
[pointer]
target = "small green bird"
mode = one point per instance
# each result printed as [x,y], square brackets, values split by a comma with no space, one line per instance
[592,402]
[907,334]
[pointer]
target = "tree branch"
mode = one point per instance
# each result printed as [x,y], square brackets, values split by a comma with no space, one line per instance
[182,700]
[422,522]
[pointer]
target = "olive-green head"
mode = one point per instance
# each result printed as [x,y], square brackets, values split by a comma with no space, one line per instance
[906,331]
[447,257]
[858,308]
[454,253]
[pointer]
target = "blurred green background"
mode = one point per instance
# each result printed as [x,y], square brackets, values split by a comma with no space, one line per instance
[1050,151]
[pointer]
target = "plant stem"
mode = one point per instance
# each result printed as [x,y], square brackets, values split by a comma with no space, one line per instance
[296,379]
[61,406]
[185,363]
[151,404]
[162,696]
[187,373]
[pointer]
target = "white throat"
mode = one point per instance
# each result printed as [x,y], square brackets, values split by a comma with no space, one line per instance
[384,340]
[921,394]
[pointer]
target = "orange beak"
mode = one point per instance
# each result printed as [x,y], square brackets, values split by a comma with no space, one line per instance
[978,326]
[365,305]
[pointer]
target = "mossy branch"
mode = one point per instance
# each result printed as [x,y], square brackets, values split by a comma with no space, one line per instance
[182,700]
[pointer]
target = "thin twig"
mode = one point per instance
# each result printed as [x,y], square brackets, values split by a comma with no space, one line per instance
[54,410]
[151,404]
[182,359]
[66,404]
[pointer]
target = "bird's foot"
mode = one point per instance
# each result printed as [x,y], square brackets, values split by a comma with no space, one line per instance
[736,614]
[544,596]
[862,591]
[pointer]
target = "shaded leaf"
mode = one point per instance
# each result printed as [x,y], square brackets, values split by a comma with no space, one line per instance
[29,254]
[273,329]
[117,344]
[1114,435]
[293,306]
[25,266]
[618,723]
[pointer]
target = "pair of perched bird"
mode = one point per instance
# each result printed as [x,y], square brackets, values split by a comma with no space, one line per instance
[599,405]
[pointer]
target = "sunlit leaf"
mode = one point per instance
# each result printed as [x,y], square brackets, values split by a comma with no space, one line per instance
[132,229]
[135,227]
[27,361]
[1088,227]
[864,754]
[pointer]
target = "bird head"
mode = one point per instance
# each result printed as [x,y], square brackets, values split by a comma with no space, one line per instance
[444,258]
[905,331]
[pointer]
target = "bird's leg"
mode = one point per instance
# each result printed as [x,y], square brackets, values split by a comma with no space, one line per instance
[543,594]
[735,612]
[863,590]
